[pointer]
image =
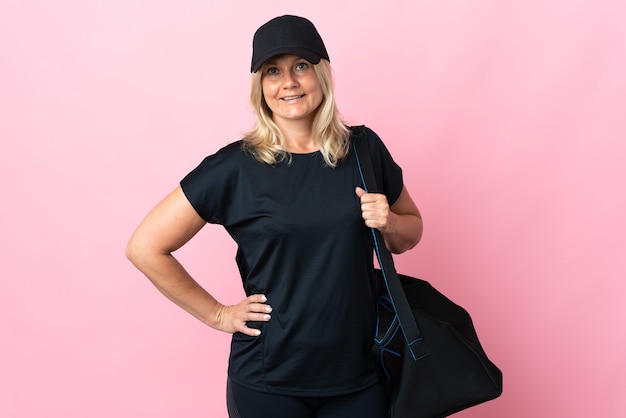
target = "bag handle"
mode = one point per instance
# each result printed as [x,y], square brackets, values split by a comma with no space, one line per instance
[412,334]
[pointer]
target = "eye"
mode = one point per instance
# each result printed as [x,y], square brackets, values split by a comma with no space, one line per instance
[302,66]
[272,71]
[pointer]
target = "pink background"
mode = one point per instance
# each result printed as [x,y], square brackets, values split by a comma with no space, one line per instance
[507,116]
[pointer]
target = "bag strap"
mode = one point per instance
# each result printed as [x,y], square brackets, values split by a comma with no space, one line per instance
[404,314]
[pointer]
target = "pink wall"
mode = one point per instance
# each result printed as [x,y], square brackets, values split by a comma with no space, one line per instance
[508,118]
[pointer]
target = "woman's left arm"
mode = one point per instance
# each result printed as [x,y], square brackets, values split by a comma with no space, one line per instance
[400,223]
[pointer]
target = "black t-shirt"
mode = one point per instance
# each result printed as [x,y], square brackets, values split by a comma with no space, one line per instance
[301,242]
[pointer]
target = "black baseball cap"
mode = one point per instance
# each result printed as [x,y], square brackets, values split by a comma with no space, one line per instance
[287,35]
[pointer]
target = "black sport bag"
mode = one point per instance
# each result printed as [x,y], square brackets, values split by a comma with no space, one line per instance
[425,343]
[445,369]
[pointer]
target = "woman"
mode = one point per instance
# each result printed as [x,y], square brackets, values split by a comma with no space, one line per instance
[289,195]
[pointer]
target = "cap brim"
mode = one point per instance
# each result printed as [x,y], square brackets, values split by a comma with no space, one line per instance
[311,57]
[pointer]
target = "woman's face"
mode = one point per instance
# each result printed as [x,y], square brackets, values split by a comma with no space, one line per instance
[291,89]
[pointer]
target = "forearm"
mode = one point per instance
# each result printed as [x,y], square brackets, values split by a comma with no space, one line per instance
[173,281]
[402,232]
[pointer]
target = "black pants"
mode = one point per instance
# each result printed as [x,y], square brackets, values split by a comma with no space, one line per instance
[246,403]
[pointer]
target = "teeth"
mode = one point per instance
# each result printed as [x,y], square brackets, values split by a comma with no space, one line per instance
[292,97]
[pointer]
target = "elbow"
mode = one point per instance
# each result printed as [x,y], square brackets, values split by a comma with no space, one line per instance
[418,235]
[410,241]
[403,249]
[143,254]
[131,252]
[134,252]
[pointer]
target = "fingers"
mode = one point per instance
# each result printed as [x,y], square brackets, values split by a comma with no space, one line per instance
[251,309]
[360,192]
[256,304]
[374,208]
[257,297]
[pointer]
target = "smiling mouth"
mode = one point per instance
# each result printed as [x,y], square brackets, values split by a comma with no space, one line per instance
[288,98]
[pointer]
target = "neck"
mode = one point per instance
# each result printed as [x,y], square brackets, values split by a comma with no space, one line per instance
[298,137]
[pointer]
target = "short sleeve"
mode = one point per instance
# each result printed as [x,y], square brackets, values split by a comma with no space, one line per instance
[388,174]
[211,186]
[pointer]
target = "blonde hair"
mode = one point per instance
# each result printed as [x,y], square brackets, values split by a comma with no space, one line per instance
[266,141]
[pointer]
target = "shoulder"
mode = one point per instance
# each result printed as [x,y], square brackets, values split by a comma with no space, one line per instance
[232,154]
[363,132]
[220,165]
[210,186]
[233,149]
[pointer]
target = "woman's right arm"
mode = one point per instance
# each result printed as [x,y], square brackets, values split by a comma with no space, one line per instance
[168,227]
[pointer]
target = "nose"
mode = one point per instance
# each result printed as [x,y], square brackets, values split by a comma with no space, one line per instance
[290,80]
